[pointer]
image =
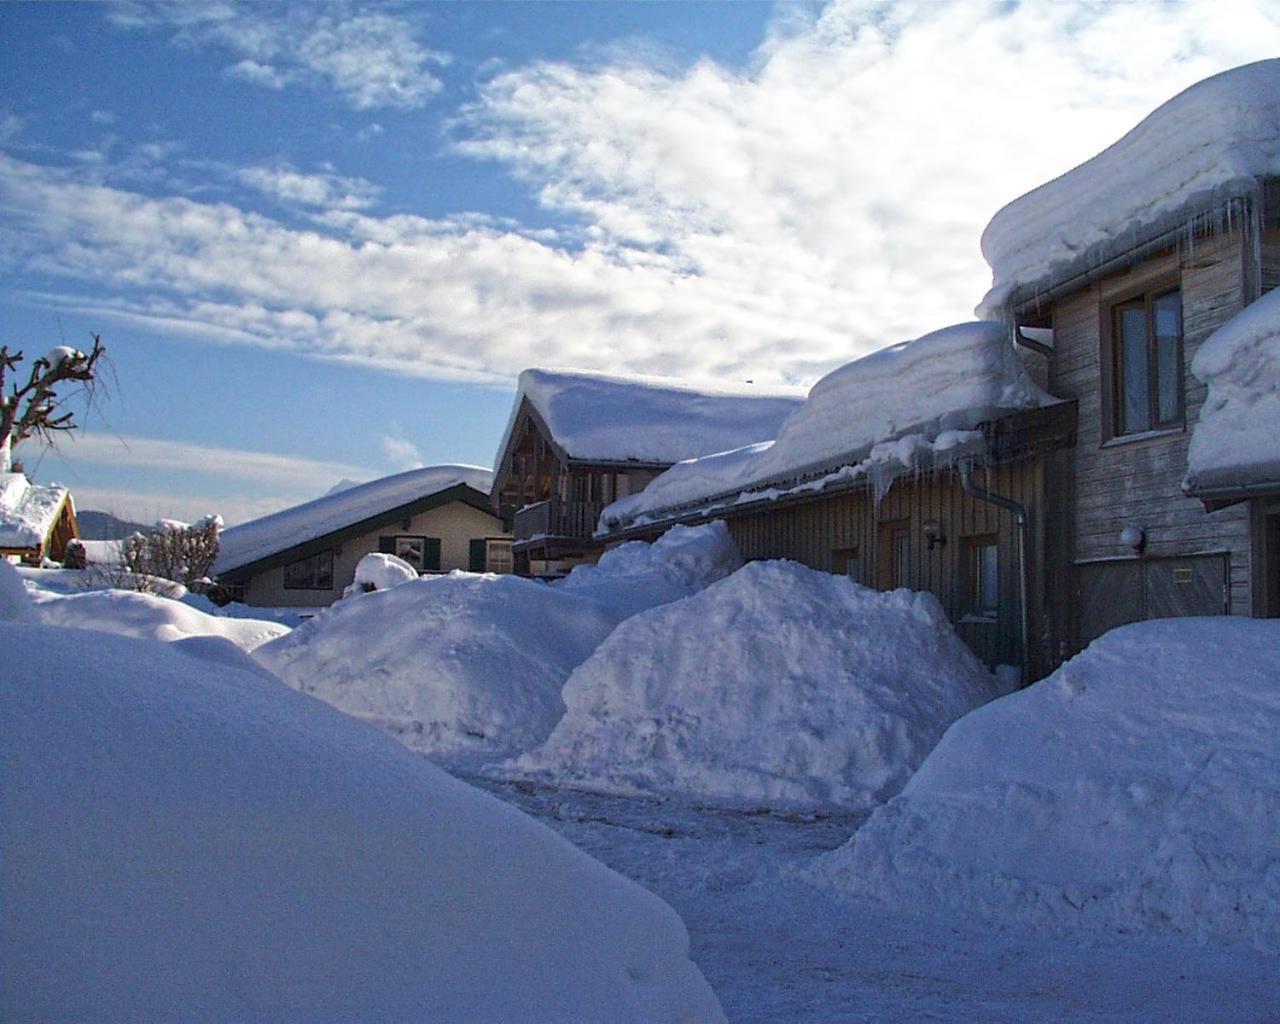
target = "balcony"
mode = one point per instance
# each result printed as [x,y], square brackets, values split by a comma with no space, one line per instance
[555,518]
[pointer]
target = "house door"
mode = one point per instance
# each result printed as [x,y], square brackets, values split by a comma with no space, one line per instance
[1112,593]
[1271,565]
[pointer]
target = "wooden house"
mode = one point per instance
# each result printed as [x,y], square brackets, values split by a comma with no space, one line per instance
[37,521]
[1073,514]
[437,519]
[578,441]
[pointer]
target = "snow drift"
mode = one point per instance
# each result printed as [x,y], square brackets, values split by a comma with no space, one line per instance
[1209,144]
[1236,440]
[1136,788]
[474,664]
[909,399]
[779,686]
[190,842]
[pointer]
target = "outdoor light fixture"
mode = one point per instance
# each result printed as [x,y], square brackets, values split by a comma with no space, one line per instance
[1134,537]
[933,533]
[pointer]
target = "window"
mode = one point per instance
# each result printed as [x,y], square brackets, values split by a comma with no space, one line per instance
[1145,363]
[314,573]
[497,556]
[845,561]
[983,558]
[894,557]
[423,553]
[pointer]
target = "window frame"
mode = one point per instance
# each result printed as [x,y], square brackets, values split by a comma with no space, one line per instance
[316,577]
[1112,362]
[977,607]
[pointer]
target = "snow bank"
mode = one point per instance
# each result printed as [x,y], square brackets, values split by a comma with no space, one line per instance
[27,511]
[380,571]
[469,663]
[260,538]
[615,418]
[185,841]
[929,390]
[474,664]
[1138,787]
[1236,440]
[148,616]
[15,603]
[1208,144]
[779,686]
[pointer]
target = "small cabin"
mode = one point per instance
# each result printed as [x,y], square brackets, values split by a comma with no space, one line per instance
[37,521]
[437,519]
[578,441]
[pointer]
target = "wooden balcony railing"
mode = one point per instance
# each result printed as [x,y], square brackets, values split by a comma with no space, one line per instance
[557,519]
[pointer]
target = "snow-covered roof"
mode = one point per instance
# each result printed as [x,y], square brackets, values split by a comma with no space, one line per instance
[1235,443]
[883,411]
[261,538]
[597,417]
[27,511]
[1208,144]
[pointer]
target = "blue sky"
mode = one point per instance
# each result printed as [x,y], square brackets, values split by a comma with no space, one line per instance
[320,241]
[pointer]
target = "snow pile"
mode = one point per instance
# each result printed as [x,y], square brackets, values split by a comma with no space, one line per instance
[1205,146]
[612,418]
[468,664]
[27,511]
[189,841]
[380,571]
[921,393]
[1138,787]
[1236,440]
[261,538]
[15,603]
[779,686]
[148,616]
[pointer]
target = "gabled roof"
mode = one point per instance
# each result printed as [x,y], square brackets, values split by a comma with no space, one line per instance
[1213,143]
[890,412]
[28,511]
[613,418]
[262,543]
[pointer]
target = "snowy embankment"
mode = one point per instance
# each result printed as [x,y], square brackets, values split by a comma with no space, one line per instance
[1236,440]
[474,664]
[1137,788]
[54,602]
[778,686]
[187,841]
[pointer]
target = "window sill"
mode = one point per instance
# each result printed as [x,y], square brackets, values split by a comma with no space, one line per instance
[979,620]
[1120,440]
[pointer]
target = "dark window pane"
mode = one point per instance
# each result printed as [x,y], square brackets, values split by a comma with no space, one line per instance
[988,576]
[901,557]
[1167,312]
[1135,400]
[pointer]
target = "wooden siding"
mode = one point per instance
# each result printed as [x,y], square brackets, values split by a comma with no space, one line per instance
[818,532]
[1137,482]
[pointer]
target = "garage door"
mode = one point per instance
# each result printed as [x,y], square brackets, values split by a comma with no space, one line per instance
[1113,593]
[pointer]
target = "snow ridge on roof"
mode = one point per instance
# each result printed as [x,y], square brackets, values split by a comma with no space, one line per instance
[600,417]
[1208,144]
[1236,440]
[261,538]
[27,511]
[932,390]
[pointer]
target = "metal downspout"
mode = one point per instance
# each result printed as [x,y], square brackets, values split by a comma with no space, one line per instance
[1020,517]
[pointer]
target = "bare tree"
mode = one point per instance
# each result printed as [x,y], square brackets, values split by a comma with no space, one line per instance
[33,408]
[174,551]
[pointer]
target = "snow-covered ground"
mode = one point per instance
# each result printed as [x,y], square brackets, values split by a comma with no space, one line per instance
[192,841]
[473,665]
[778,686]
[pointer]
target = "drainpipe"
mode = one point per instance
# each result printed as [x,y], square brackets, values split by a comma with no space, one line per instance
[1020,517]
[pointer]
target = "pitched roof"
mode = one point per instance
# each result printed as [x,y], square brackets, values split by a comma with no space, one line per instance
[596,417]
[27,511]
[259,539]
[1209,144]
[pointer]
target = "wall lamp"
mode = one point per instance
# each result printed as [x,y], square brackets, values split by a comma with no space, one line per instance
[933,533]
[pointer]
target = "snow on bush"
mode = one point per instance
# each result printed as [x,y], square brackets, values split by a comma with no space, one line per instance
[380,571]
[1237,437]
[1138,787]
[188,841]
[778,686]
[468,663]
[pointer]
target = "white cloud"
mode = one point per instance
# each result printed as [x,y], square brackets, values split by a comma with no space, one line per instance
[369,57]
[149,506]
[764,224]
[401,453]
[326,190]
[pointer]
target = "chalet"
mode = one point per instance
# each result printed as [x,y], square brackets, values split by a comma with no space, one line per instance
[437,519]
[577,441]
[36,520]
[1032,470]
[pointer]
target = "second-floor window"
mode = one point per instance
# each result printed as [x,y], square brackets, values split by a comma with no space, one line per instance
[1146,363]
